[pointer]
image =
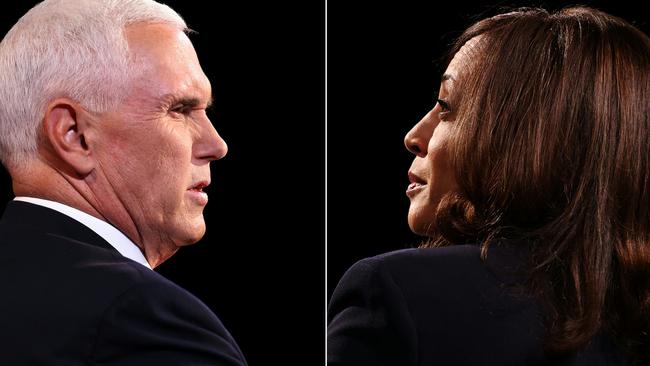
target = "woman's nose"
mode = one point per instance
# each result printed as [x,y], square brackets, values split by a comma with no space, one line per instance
[417,139]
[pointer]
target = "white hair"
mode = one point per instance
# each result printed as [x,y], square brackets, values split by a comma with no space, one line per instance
[66,48]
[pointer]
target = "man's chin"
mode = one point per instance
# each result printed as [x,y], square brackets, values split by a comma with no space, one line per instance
[193,232]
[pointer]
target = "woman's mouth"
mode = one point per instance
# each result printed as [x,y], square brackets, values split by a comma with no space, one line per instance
[416,185]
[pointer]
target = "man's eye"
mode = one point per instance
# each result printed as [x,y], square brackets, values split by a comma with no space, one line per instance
[180,108]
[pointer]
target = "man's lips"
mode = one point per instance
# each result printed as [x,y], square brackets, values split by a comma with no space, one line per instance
[197,194]
[199,186]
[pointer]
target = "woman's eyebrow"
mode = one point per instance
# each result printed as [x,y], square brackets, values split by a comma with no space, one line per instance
[446,77]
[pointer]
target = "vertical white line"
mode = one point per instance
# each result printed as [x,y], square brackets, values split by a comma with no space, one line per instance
[325,317]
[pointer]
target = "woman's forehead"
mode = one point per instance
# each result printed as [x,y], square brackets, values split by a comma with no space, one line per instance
[462,59]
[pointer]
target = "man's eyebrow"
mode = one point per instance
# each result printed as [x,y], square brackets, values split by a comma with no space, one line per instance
[190,101]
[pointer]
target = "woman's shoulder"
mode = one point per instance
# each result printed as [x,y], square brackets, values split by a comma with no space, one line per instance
[443,277]
[445,297]
[427,306]
[450,265]
[459,254]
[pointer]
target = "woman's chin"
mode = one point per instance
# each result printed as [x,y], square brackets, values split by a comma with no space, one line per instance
[419,225]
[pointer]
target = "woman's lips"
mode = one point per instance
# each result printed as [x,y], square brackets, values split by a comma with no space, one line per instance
[417,184]
[414,188]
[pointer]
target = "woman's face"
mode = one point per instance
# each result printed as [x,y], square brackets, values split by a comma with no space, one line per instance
[431,175]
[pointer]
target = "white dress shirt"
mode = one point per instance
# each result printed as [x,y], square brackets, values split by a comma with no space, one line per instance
[108,232]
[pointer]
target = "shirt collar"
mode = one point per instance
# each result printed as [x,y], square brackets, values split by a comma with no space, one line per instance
[113,236]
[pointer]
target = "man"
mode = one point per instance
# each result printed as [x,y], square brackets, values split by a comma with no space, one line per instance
[103,129]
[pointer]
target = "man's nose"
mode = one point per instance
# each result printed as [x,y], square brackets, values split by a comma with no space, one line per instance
[211,145]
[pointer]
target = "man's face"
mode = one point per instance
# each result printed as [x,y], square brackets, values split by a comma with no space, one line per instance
[153,151]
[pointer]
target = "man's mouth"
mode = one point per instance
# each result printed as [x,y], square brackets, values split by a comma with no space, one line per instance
[197,194]
[198,187]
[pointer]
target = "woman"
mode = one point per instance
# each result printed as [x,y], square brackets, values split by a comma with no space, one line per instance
[531,178]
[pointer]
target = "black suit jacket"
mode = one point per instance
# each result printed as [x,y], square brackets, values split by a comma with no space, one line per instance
[443,306]
[67,297]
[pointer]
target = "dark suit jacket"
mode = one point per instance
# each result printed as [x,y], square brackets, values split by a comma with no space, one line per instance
[442,306]
[68,298]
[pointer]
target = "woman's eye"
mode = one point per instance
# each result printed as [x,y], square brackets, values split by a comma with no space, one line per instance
[443,105]
[444,108]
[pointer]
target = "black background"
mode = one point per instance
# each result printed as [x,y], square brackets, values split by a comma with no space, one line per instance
[260,266]
[383,76]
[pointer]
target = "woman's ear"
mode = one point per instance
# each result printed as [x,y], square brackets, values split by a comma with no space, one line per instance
[65,132]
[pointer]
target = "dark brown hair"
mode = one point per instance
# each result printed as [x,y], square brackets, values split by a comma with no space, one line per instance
[551,151]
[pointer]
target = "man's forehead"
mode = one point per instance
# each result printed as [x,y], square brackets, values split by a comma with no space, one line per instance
[159,44]
[169,68]
[151,34]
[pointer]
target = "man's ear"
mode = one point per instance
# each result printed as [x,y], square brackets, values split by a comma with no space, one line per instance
[64,130]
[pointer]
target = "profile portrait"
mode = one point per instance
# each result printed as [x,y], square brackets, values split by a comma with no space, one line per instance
[508,224]
[140,208]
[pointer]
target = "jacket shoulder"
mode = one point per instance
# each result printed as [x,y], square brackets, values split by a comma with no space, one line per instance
[424,302]
[101,307]
[433,268]
[156,317]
